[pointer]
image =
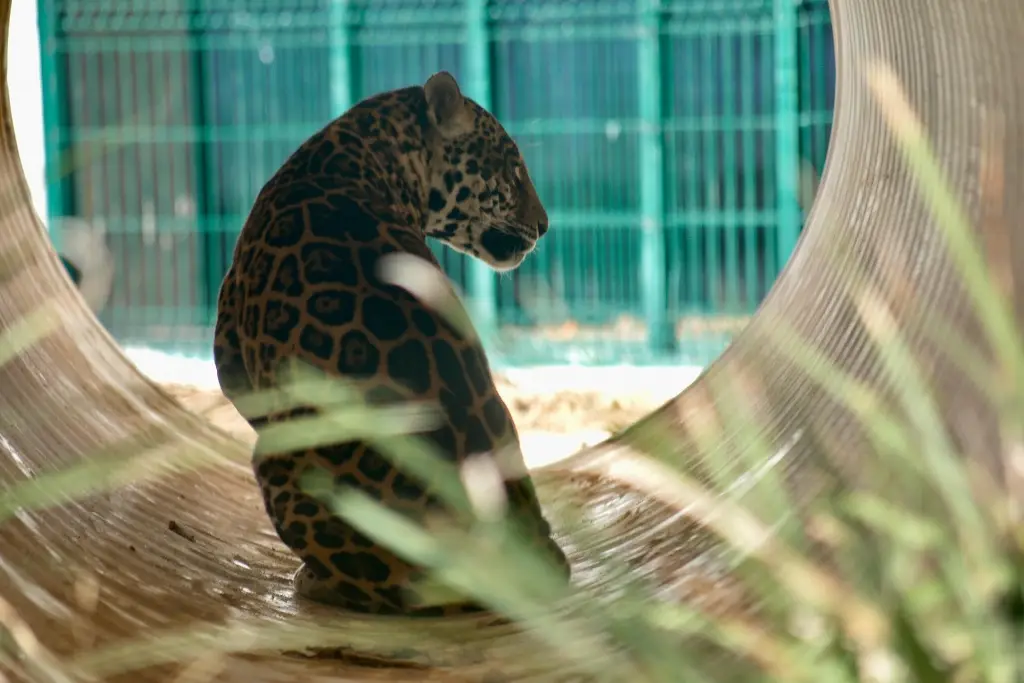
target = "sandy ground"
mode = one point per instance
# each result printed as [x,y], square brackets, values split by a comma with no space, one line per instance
[553,423]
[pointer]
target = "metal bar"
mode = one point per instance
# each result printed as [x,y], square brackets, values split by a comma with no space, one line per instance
[481,282]
[710,170]
[206,228]
[748,75]
[59,191]
[340,60]
[730,233]
[653,285]
[787,131]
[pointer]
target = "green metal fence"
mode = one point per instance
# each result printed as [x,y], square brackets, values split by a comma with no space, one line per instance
[664,137]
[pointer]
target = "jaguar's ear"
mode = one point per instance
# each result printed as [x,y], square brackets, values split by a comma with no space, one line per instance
[446,107]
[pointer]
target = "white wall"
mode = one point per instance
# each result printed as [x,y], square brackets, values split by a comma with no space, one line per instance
[24,82]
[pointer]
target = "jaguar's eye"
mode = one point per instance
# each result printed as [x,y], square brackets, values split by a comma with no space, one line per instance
[517,174]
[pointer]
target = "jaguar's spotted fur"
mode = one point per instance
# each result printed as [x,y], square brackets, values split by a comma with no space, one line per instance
[396,168]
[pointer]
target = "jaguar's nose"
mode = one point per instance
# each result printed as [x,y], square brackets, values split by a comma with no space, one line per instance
[542,227]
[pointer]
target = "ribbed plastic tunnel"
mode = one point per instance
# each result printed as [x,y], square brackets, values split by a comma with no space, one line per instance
[74,393]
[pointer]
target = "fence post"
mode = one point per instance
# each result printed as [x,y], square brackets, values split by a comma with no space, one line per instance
[340,59]
[661,336]
[59,195]
[787,130]
[208,228]
[481,285]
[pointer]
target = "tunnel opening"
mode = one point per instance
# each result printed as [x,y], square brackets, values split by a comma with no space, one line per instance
[678,164]
[75,390]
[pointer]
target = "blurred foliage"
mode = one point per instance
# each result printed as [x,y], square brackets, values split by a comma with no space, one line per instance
[905,591]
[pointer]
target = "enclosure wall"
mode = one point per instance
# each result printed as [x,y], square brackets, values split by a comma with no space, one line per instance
[668,140]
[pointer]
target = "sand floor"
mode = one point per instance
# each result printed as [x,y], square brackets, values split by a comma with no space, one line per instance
[553,423]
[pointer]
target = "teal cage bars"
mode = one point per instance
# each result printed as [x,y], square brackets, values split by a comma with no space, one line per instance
[668,140]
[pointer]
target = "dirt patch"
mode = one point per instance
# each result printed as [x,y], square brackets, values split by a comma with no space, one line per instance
[564,412]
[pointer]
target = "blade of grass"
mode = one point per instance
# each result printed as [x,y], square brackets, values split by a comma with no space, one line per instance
[30,329]
[19,642]
[489,584]
[992,307]
[945,467]
[747,533]
[120,464]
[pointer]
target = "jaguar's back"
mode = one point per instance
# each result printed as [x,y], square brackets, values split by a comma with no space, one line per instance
[304,283]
